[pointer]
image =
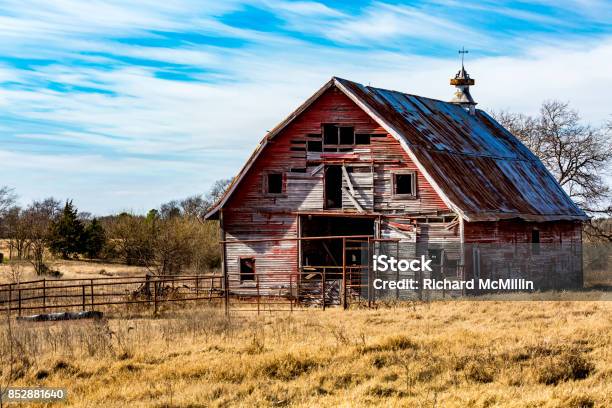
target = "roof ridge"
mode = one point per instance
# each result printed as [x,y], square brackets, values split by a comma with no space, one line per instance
[396,91]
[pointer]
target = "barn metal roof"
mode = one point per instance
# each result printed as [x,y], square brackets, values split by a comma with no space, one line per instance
[479,168]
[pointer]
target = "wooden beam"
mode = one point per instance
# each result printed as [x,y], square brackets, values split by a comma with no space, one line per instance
[348,180]
[353,200]
[317,169]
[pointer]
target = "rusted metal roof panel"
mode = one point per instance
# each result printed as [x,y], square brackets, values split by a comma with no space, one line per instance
[481,167]
[477,167]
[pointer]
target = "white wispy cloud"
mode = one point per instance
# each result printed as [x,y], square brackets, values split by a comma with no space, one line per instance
[100,122]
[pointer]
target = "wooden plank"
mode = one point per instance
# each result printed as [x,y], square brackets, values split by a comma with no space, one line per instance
[348,180]
[353,200]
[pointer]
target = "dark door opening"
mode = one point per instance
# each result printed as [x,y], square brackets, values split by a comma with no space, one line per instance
[333,187]
[328,252]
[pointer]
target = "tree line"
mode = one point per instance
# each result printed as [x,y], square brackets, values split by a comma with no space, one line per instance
[167,240]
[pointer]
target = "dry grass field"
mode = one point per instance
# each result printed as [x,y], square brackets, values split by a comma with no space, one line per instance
[439,354]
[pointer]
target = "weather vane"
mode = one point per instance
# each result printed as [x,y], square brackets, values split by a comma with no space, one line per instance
[463,51]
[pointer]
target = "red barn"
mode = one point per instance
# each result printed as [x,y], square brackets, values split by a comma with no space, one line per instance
[356,164]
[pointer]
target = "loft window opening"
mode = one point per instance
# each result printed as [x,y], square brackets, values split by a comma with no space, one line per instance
[314,146]
[347,135]
[404,184]
[337,137]
[362,139]
[330,134]
[247,269]
[274,183]
[333,187]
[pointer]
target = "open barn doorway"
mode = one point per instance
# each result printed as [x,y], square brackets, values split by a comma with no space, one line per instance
[334,256]
[329,252]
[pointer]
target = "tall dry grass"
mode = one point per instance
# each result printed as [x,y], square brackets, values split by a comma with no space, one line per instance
[440,354]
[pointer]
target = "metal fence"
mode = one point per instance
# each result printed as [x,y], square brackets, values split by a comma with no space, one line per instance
[48,295]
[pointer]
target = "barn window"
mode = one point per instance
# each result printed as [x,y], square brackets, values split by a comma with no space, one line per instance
[274,183]
[314,146]
[535,242]
[330,134]
[335,136]
[247,269]
[347,135]
[362,139]
[404,184]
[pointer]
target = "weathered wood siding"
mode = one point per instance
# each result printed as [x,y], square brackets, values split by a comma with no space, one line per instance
[304,190]
[516,231]
[252,214]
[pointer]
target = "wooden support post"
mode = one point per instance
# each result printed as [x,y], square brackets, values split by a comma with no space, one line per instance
[83,296]
[344,273]
[19,301]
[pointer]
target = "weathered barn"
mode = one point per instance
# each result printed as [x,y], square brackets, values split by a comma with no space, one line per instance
[356,164]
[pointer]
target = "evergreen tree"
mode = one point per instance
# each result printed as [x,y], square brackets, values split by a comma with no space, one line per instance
[66,233]
[94,239]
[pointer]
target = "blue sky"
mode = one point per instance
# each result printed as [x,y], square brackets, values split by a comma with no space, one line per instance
[123,105]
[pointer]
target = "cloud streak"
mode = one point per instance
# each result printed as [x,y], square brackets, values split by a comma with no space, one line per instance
[123,105]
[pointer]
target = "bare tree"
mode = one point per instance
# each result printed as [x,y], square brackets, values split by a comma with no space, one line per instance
[578,155]
[7,199]
[15,230]
[37,219]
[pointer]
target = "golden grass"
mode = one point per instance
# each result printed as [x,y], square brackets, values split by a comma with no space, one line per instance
[439,354]
[74,269]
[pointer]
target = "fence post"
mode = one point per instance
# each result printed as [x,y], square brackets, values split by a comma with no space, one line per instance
[83,295]
[369,273]
[323,287]
[343,273]
[258,295]
[45,295]
[10,302]
[226,290]
[92,294]
[291,292]
[397,272]
[19,303]
[155,297]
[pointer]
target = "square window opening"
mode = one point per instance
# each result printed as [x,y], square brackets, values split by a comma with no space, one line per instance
[314,146]
[347,135]
[275,183]
[404,184]
[247,269]
[362,139]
